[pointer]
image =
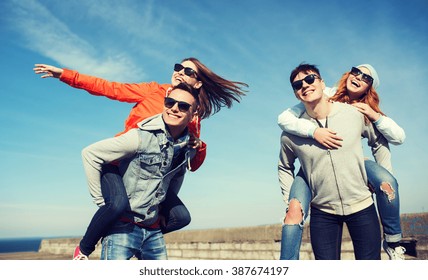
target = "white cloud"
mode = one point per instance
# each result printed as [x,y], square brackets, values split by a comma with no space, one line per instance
[47,35]
[150,30]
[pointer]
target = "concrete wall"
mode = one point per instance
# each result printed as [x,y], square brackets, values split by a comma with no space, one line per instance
[252,243]
[260,242]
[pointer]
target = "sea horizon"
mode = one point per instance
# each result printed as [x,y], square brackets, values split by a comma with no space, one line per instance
[23,244]
[20,244]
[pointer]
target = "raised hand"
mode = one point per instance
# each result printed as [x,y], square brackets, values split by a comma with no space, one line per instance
[48,71]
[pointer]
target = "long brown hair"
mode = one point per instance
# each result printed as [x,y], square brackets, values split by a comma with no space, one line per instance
[370,98]
[216,92]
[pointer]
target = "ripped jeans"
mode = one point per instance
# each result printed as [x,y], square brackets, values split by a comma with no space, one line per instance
[291,237]
[383,184]
[385,187]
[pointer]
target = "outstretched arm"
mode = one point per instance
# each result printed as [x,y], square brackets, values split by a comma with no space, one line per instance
[124,92]
[47,71]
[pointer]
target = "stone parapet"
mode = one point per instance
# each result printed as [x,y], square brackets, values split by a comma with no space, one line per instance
[244,243]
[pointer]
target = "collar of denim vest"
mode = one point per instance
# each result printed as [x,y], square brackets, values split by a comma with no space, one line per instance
[156,123]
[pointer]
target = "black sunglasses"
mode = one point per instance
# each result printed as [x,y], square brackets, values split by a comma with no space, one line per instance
[187,70]
[365,77]
[182,106]
[309,79]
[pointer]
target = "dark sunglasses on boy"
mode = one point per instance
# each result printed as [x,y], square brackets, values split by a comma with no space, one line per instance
[187,70]
[182,106]
[366,78]
[309,79]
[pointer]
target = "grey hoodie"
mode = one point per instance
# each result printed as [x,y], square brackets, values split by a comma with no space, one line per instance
[337,178]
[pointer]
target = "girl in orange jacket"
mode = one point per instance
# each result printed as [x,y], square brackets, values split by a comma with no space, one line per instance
[215,92]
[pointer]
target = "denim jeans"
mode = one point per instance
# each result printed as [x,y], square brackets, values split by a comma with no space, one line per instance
[389,209]
[126,240]
[326,234]
[291,237]
[116,202]
[175,213]
[388,206]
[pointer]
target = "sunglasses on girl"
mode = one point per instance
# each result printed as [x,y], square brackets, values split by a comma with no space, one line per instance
[309,79]
[182,106]
[187,70]
[366,78]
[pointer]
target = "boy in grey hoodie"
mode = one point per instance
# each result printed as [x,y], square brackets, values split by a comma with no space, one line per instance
[337,178]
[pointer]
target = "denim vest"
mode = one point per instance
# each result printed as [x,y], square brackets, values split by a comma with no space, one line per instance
[149,174]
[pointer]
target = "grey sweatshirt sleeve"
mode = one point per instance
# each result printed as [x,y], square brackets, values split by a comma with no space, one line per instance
[285,168]
[104,152]
[379,146]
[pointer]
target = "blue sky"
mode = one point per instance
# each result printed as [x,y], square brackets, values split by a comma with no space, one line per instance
[44,124]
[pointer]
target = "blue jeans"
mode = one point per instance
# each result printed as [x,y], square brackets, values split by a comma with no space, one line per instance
[126,240]
[116,202]
[388,203]
[176,214]
[326,234]
[291,237]
[389,209]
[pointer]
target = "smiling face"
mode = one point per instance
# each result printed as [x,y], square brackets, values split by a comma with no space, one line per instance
[176,119]
[356,86]
[181,77]
[309,92]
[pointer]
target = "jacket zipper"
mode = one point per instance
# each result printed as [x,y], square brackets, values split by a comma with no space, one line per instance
[335,179]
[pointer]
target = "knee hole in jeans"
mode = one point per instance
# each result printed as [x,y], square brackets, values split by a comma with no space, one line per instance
[294,213]
[388,190]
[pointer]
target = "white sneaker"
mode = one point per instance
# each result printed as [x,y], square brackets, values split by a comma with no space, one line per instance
[394,254]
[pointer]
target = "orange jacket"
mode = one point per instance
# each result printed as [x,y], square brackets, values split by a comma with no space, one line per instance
[149,98]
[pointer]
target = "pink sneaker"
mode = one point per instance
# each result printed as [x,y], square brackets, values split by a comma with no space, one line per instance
[78,256]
